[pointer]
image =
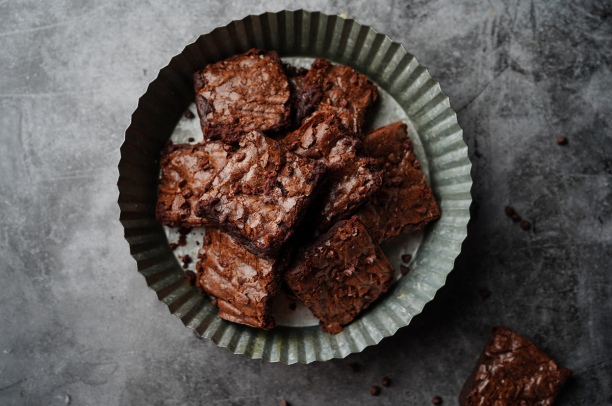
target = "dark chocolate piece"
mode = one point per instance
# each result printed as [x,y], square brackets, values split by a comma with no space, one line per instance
[436,400]
[374,391]
[340,274]
[243,283]
[562,140]
[385,381]
[261,194]
[243,93]
[512,371]
[351,177]
[186,170]
[337,89]
[404,203]
[525,225]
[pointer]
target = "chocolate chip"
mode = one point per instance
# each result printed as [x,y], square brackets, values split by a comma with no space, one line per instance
[516,218]
[214,302]
[191,277]
[189,114]
[353,367]
[173,246]
[284,403]
[406,258]
[191,139]
[404,269]
[292,306]
[484,293]
[437,400]
[525,225]
[509,211]
[374,391]
[562,141]
[385,382]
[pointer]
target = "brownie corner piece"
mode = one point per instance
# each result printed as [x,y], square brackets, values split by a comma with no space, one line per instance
[261,194]
[405,202]
[186,171]
[512,371]
[340,90]
[340,274]
[243,283]
[245,92]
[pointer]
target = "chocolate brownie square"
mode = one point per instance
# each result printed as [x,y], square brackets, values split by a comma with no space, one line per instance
[186,170]
[243,93]
[243,283]
[404,203]
[340,274]
[340,90]
[512,371]
[351,177]
[261,194]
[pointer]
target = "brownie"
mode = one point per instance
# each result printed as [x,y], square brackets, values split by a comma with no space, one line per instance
[261,194]
[243,283]
[351,177]
[243,93]
[185,171]
[512,371]
[404,203]
[337,89]
[340,274]
[297,79]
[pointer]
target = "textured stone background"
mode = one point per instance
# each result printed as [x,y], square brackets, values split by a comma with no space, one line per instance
[519,75]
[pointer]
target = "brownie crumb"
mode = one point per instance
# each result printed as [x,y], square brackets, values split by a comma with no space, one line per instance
[173,246]
[562,141]
[406,258]
[404,269]
[386,382]
[191,277]
[191,139]
[509,211]
[353,367]
[189,114]
[186,261]
[525,225]
[292,306]
[437,400]
[284,403]
[516,218]
[484,293]
[374,391]
[183,231]
[214,302]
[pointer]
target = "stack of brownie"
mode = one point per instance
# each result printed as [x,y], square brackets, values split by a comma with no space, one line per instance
[291,190]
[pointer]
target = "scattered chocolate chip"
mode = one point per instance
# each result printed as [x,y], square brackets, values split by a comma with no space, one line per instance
[525,225]
[562,141]
[173,246]
[509,211]
[406,258]
[516,218]
[484,293]
[385,382]
[404,269]
[437,400]
[191,139]
[214,302]
[353,367]
[191,277]
[374,391]
[189,114]
[292,306]
[284,403]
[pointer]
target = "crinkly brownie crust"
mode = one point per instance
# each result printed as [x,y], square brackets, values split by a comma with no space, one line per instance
[243,93]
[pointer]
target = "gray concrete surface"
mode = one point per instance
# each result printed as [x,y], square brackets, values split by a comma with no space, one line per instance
[78,325]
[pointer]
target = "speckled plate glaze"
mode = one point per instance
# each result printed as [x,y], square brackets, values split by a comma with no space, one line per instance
[408,93]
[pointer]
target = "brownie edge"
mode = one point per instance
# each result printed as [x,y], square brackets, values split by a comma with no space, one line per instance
[512,371]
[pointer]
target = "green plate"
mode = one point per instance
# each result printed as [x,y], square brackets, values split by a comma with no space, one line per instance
[408,93]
